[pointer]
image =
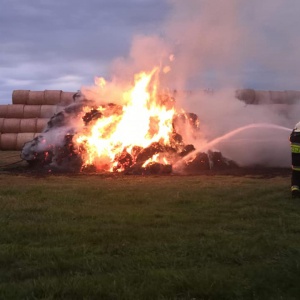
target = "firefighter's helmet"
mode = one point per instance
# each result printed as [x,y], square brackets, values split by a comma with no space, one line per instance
[297,127]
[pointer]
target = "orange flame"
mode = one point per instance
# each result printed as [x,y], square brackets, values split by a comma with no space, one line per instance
[142,121]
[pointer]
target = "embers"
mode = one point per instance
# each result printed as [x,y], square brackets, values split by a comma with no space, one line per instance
[136,162]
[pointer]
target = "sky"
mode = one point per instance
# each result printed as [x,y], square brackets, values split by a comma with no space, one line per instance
[64,44]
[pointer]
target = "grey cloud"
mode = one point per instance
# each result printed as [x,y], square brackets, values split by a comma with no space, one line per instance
[237,42]
[41,41]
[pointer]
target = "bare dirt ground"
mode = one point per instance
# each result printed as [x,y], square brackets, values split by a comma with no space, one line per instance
[253,171]
[11,163]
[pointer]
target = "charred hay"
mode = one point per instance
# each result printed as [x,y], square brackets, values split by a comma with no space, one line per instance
[42,153]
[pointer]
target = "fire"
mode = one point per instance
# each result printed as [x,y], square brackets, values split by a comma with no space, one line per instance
[138,132]
[124,131]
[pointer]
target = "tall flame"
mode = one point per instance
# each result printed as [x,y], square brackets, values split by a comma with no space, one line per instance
[143,120]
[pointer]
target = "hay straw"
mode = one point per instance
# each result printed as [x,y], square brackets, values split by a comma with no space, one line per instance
[278,97]
[47,97]
[247,95]
[32,111]
[8,141]
[48,111]
[11,125]
[28,125]
[1,124]
[3,111]
[66,98]
[36,98]
[34,125]
[293,96]
[41,125]
[20,96]
[262,97]
[52,97]
[15,141]
[15,111]
[23,138]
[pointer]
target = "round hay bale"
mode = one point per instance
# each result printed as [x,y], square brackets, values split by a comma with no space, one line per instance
[246,95]
[262,97]
[15,111]
[1,124]
[66,98]
[36,98]
[28,125]
[23,138]
[20,96]
[41,125]
[293,96]
[48,111]
[8,141]
[32,111]
[278,97]
[3,110]
[52,97]
[11,125]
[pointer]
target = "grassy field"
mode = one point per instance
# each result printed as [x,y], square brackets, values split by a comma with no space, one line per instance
[155,237]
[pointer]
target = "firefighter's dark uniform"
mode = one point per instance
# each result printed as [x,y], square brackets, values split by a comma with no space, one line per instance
[295,149]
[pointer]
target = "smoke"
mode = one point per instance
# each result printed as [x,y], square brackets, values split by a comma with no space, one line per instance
[220,46]
[206,36]
[221,113]
[145,53]
[235,43]
[275,50]
[227,40]
[224,45]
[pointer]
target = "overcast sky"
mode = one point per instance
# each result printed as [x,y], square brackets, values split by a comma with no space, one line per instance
[63,44]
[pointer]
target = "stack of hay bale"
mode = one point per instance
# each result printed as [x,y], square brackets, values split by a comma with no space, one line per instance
[28,115]
[250,96]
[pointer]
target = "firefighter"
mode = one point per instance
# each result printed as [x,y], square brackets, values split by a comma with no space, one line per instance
[295,149]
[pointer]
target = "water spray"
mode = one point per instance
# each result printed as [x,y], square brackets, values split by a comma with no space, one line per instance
[214,142]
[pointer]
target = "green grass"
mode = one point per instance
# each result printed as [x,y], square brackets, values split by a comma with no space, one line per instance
[156,237]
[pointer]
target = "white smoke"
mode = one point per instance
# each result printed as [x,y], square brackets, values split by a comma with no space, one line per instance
[221,113]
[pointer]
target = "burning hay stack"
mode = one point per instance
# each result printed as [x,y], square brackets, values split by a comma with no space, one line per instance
[143,133]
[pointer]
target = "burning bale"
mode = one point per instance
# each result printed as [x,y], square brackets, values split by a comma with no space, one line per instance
[145,135]
[65,155]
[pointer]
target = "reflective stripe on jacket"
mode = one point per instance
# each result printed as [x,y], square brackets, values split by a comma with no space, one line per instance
[295,150]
